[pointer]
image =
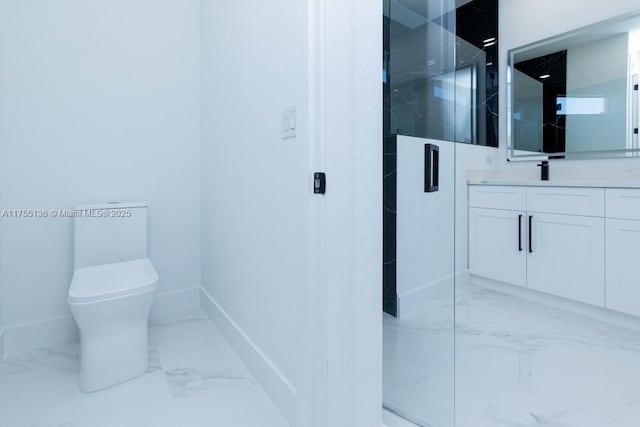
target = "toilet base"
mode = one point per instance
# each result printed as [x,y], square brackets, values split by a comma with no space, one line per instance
[113,358]
[114,341]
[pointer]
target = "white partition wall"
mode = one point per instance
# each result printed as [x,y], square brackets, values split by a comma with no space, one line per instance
[425,227]
[293,277]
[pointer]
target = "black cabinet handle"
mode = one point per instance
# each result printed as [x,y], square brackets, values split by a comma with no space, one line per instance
[436,168]
[530,234]
[431,168]
[520,233]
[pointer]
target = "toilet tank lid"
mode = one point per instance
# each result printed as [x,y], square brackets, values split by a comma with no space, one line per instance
[112,280]
[111,205]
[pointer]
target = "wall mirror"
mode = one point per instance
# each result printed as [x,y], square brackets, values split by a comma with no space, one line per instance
[575,96]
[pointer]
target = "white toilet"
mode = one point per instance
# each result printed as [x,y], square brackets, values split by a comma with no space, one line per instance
[111,292]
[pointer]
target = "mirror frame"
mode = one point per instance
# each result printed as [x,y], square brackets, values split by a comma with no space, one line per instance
[512,153]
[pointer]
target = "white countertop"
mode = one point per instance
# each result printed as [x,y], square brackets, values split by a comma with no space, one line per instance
[557,183]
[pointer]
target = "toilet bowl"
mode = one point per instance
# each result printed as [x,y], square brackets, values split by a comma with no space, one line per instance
[111,305]
[111,292]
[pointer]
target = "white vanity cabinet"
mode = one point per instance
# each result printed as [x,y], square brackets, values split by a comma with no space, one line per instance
[623,250]
[550,239]
[567,257]
[497,237]
[566,254]
[497,245]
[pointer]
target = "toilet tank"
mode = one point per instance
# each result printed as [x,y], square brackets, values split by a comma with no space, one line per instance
[107,233]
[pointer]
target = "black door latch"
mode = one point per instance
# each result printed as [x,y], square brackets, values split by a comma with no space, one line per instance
[319,183]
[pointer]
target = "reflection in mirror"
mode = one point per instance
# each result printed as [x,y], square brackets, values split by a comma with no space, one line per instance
[576,95]
[540,82]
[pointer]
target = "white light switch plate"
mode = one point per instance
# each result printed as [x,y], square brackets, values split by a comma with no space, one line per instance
[289,123]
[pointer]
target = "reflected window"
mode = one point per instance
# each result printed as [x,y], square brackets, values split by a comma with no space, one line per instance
[571,106]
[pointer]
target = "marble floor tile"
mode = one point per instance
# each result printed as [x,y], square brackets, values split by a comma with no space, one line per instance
[194,379]
[419,370]
[524,364]
[195,357]
[517,364]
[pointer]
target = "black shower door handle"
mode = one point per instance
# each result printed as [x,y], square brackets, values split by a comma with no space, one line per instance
[431,168]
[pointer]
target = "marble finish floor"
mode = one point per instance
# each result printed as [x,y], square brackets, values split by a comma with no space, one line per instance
[517,364]
[194,379]
[418,367]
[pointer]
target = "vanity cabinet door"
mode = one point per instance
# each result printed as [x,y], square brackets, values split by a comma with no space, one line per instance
[497,245]
[623,280]
[566,256]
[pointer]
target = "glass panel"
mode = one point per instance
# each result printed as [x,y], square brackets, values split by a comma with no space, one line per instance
[421,102]
[421,49]
[429,57]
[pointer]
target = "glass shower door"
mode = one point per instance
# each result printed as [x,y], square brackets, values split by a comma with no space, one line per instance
[419,210]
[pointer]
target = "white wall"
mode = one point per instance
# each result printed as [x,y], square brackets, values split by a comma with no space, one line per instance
[295,278]
[523,22]
[99,100]
[255,186]
[425,271]
[349,101]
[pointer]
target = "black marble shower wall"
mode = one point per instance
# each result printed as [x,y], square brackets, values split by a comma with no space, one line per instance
[389,297]
[440,82]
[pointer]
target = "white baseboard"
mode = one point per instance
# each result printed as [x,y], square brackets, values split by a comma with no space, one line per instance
[418,300]
[389,419]
[574,307]
[273,381]
[169,304]
[57,330]
[39,334]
